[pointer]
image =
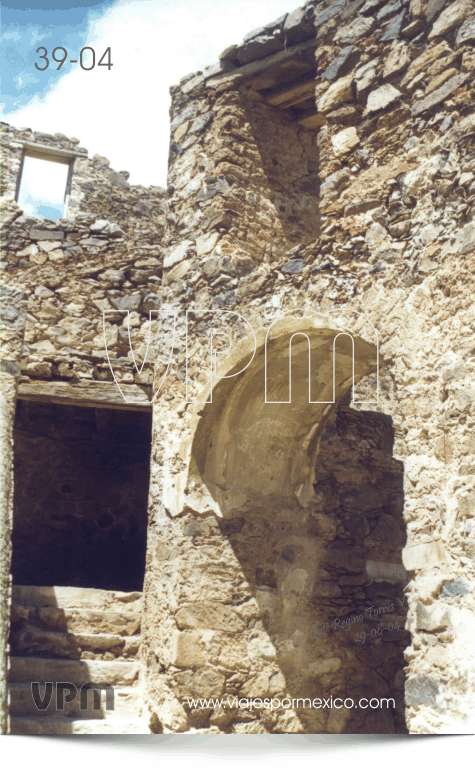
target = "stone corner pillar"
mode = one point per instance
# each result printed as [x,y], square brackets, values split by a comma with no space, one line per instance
[13,315]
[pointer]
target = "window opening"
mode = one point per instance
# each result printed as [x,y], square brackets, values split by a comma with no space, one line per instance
[44,186]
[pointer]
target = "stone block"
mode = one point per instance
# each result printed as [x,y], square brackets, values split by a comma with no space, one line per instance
[397,60]
[433,7]
[107,228]
[450,17]
[219,617]
[359,28]
[385,570]
[49,246]
[345,141]
[327,588]
[187,649]
[366,75]
[299,25]
[426,554]
[431,618]
[439,95]
[432,54]
[293,266]
[382,98]
[207,683]
[131,302]
[332,10]
[56,255]
[334,183]
[438,80]
[177,254]
[39,369]
[262,46]
[339,92]
[421,690]
[44,235]
[455,588]
[466,504]
[466,34]
[200,124]
[393,29]
[371,6]
[206,244]
[344,62]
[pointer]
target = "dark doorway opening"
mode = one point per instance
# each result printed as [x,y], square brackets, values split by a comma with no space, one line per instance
[81,479]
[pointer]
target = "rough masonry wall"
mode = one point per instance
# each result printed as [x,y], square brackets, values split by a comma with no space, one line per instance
[361,194]
[105,254]
[387,158]
[12,309]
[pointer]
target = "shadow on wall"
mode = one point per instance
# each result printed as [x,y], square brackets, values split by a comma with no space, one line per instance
[278,162]
[312,505]
[289,157]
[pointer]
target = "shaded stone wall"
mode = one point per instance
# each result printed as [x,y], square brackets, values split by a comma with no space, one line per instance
[12,309]
[359,598]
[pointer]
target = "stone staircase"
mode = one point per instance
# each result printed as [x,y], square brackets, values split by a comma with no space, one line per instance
[75,635]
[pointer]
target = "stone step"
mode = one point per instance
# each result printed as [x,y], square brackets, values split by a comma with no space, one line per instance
[41,726]
[70,596]
[127,702]
[39,642]
[24,669]
[66,619]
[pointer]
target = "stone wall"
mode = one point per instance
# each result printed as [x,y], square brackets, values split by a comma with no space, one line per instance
[78,266]
[325,165]
[360,195]
[13,306]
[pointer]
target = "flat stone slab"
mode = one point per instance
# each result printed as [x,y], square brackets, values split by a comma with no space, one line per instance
[55,619]
[87,393]
[71,596]
[39,726]
[31,668]
[70,645]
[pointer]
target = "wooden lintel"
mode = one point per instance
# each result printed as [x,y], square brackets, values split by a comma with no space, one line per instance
[87,393]
[311,119]
[291,93]
[271,71]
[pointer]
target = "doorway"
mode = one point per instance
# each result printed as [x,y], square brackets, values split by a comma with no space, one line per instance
[81,477]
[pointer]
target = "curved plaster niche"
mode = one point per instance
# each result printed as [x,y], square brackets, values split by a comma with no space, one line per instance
[303,497]
[254,440]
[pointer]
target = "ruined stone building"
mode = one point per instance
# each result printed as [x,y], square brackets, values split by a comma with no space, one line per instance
[199,527]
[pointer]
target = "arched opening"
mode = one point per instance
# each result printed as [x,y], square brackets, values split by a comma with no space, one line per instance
[310,503]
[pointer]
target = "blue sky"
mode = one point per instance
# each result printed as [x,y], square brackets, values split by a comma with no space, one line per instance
[121,113]
[47,23]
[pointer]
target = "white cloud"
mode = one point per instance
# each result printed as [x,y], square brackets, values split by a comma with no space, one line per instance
[13,36]
[35,37]
[122,113]
[25,78]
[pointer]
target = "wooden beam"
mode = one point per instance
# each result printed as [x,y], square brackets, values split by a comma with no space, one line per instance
[311,118]
[51,153]
[271,71]
[292,93]
[87,393]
